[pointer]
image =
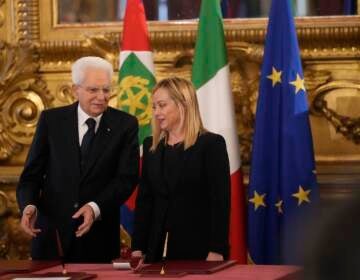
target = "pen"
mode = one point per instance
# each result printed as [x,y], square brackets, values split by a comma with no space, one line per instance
[61,252]
[162,272]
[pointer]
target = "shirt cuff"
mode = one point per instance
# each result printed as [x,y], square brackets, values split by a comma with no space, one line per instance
[95,208]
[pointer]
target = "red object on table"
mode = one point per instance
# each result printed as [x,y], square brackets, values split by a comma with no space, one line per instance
[24,266]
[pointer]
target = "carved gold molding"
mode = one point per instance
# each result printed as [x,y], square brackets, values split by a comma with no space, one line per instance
[325,36]
[27,22]
[14,243]
[2,16]
[23,95]
[334,37]
[348,126]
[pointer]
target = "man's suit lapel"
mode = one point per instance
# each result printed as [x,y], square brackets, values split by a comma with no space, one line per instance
[71,139]
[102,137]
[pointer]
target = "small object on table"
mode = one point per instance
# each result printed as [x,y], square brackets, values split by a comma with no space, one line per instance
[60,252]
[122,264]
[162,271]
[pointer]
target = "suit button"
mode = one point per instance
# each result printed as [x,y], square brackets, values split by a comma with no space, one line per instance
[76,205]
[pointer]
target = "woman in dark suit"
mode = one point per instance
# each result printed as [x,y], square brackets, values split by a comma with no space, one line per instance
[185,184]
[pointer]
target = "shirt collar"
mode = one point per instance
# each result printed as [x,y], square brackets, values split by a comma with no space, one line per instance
[82,116]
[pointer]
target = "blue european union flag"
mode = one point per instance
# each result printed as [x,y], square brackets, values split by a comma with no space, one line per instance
[283,188]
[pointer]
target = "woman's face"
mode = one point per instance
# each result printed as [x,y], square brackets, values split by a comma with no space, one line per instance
[166,112]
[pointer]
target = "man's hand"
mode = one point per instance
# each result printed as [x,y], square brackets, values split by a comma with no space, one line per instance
[88,214]
[212,256]
[136,260]
[28,220]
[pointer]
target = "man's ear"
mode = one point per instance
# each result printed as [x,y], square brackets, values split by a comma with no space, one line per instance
[74,90]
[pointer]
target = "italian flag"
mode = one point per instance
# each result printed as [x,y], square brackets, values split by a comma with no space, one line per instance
[136,80]
[211,77]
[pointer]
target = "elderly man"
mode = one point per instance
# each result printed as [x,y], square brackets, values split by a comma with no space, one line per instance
[82,165]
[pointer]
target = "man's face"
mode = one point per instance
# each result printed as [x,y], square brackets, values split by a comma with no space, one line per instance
[94,92]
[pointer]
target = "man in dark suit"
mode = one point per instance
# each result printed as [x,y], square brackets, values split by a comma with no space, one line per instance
[82,165]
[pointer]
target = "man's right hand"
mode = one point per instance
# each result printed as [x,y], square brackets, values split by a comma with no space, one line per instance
[28,220]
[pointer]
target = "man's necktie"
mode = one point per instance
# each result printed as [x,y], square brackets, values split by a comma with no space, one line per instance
[87,141]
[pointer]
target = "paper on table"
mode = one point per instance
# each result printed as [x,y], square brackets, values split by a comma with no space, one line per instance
[42,278]
[121,265]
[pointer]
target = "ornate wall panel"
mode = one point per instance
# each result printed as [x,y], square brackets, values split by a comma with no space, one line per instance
[36,54]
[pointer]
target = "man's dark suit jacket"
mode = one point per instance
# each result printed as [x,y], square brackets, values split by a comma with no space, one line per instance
[52,180]
[196,205]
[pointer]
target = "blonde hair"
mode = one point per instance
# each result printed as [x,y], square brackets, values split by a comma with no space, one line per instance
[183,93]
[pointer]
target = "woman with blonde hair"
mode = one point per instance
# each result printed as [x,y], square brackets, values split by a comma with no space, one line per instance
[184,190]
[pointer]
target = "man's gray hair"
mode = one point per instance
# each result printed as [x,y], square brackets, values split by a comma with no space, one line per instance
[82,64]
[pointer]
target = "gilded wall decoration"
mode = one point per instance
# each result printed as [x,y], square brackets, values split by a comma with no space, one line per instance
[334,98]
[14,244]
[26,21]
[23,96]
[2,16]
[64,94]
[245,77]
[347,125]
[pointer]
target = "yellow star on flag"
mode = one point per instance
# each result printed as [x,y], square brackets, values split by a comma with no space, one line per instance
[275,76]
[134,101]
[298,84]
[302,195]
[278,205]
[258,200]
